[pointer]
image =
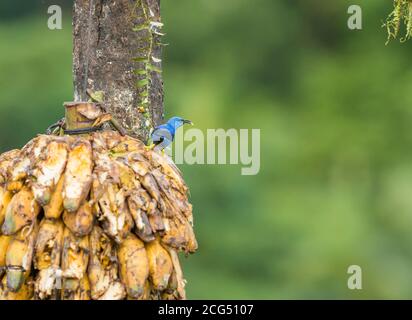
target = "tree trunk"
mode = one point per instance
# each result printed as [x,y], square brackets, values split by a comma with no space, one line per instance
[109,42]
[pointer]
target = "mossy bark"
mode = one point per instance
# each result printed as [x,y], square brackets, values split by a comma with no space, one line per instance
[104,47]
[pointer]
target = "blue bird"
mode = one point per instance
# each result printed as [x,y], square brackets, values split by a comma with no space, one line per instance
[163,135]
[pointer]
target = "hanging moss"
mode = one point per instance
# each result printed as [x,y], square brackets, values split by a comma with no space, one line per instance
[401,14]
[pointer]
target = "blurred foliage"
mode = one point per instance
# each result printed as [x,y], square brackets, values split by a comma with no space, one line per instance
[334,111]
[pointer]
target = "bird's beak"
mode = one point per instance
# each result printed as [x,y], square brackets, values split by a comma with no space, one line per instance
[188,122]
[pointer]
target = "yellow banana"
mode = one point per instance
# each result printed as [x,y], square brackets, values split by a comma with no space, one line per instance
[128,145]
[180,282]
[148,294]
[102,270]
[173,283]
[54,208]
[115,216]
[75,256]
[116,291]
[143,228]
[160,265]
[74,289]
[24,293]
[80,222]
[134,265]
[21,211]
[179,234]
[48,171]
[6,162]
[168,168]
[21,166]
[19,257]
[49,244]
[78,175]
[47,254]
[5,198]
[4,244]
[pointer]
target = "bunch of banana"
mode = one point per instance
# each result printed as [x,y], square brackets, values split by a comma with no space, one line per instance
[97,216]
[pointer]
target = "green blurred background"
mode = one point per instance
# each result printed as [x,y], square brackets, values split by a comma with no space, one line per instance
[334,109]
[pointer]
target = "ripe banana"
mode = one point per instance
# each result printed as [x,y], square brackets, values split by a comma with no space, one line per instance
[21,211]
[24,293]
[22,165]
[47,255]
[80,222]
[19,257]
[74,289]
[54,208]
[4,244]
[48,171]
[143,228]
[160,265]
[75,258]
[180,282]
[78,175]
[6,161]
[116,291]
[49,244]
[134,265]
[103,268]
[179,234]
[115,216]
[5,198]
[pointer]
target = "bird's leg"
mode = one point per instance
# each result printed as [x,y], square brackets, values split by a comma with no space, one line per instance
[150,147]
